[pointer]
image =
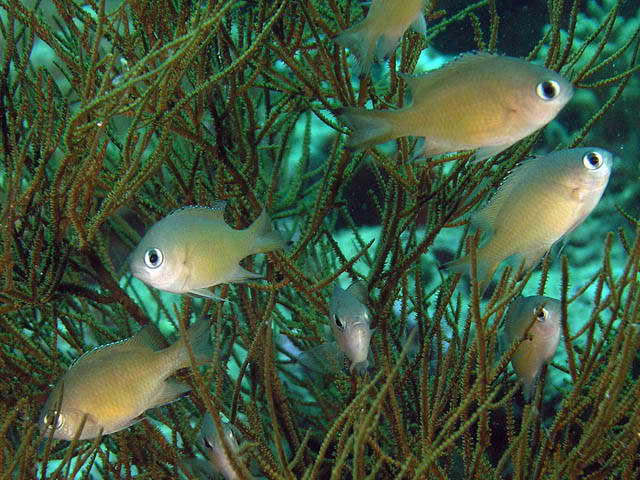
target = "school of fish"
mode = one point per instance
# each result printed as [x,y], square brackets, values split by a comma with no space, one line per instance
[479,101]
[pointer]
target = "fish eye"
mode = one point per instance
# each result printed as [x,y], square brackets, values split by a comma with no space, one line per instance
[548,90]
[207,443]
[541,315]
[52,416]
[592,160]
[153,258]
[338,322]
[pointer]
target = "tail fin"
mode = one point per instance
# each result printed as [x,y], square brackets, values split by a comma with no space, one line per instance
[369,127]
[359,40]
[485,269]
[200,342]
[265,238]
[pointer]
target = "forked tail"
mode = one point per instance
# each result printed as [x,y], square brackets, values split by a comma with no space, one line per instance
[369,127]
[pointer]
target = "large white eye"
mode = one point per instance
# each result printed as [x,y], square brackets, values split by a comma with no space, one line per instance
[153,258]
[592,160]
[548,89]
[541,315]
[54,416]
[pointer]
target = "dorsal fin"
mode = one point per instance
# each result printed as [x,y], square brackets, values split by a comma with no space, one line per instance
[216,210]
[422,82]
[358,290]
[148,337]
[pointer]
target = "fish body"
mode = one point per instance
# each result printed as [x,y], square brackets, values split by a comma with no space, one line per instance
[113,385]
[477,101]
[214,447]
[193,248]
[379,32]
[543,314]
[539,202]
[349,319]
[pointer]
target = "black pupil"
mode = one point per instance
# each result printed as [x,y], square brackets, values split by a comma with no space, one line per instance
[541,315]
[153,257]
[338,322]
[593,159]
[548,89]
[207,444]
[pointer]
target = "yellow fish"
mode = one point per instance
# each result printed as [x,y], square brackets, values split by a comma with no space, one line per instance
[478,100]
[113,385]
[384,25]
[542,338]
[193,248]
[539,202]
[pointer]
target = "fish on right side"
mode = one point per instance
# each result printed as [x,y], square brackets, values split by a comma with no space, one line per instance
[540,201]
[542,338]
[193,248]
[477,101]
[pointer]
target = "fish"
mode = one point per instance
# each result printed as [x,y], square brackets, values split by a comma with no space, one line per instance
[214,447]
[349,320]
[477,101]
[114,384]
[540,201]
[379,32]
[542,338]
[193,248]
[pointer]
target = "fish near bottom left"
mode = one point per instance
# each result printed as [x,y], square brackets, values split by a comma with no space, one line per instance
[110,387]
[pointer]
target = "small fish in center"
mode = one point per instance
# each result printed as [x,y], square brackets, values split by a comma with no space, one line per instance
[113,385]
[193,248]
[477,101]
[349,319]
[542,340]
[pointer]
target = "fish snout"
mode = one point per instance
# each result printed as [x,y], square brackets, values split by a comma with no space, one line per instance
[357,337]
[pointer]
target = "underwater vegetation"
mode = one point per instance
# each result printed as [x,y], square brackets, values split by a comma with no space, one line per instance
[114,114]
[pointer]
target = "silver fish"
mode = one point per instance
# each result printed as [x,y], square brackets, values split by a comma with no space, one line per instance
[349,319]
[542,338]
[214,447]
